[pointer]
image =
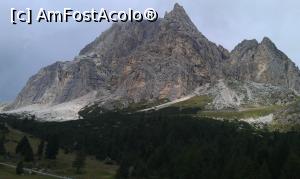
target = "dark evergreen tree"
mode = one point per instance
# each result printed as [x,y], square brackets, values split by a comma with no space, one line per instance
[2,146]
[52,147]
[291,169]
[79,162]
[166,145]
[123,171]
[264,172]
[40,150]
[19,169]
[24,149]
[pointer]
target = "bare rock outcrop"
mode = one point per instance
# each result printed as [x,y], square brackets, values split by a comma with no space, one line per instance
[166,59]
[262,63]
[131,62]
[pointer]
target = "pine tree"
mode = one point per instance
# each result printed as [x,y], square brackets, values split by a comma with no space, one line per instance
[2,146]
[291,168]
[40,150]
[264,171]
[123,171]
[24,149]
[79,161]
[52,147]
[19,169]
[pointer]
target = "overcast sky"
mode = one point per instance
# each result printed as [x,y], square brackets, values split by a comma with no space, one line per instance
[25,49]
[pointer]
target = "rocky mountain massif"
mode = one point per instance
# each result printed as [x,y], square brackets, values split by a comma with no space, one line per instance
[263,63]
[163,60]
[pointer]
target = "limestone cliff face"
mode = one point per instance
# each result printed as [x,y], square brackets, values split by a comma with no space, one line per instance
[61,82]
[166,59]
[170,64]
[131,62]
[263,63]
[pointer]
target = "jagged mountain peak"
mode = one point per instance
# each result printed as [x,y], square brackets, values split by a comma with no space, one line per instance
[177,5]
[131,62]
[152,61]
[135,34]
[178,12]
[178,19]
[267,42]
[264,63]
[247,44]
[110,44]
[245,47]
[268,47]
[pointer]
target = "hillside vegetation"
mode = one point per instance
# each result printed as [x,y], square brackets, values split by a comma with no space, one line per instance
[61,166]
[173,143]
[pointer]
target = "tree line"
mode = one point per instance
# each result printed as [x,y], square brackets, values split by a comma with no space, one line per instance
[165,144]
[46,149]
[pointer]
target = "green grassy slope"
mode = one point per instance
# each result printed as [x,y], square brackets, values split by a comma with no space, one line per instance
[199,103]
[243,114]
[61,166]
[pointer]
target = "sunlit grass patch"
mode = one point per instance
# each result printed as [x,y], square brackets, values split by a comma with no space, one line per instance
[248,113]
[195,102]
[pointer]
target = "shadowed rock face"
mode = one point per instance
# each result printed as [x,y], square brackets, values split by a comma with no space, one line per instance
[263,63]
[61,82]
[132,61]
[169,58]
